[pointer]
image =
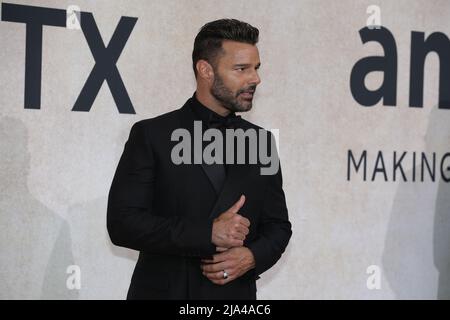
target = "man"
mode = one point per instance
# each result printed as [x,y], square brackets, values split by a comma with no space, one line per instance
[208,230]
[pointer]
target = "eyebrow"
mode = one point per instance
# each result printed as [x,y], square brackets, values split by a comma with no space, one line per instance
[246,65]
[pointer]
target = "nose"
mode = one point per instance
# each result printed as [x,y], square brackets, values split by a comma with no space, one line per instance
[255,79]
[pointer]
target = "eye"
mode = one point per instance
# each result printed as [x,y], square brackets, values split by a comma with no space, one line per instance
[240,69]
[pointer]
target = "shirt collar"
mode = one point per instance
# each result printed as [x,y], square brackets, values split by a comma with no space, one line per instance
[203,112]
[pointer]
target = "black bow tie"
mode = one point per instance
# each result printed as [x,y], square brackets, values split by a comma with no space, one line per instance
[231,121]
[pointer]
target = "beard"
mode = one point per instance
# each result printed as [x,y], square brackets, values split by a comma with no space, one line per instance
[228,98]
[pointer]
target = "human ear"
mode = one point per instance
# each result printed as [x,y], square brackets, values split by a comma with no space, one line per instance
[205,70]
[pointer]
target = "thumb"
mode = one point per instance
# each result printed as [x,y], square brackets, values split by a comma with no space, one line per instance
[238,205]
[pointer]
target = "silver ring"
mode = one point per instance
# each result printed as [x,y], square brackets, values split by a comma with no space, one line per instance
[225,274]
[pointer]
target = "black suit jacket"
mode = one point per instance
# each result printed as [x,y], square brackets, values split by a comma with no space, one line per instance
[166,212]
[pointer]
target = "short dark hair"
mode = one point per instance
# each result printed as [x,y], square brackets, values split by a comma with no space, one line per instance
[208,42]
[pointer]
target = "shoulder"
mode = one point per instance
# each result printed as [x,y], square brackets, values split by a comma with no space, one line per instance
[161,121]
[161,126]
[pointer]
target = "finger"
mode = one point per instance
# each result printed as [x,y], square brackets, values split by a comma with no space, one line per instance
[217,278]
[244,221]
[219,257]
[235,243]
[238,236]
[221,249]
[242,229]
[214,267]
[238,205]
[220,282]
[205,261]
[215,275]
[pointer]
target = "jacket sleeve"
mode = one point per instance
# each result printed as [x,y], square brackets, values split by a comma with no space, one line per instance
[274,228]
[131,221]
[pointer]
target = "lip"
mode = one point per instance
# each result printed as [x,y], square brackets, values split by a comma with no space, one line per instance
[247,95]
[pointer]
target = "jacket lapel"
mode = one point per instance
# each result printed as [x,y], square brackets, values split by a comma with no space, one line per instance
[214,173]
[229,193]
[231,190]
